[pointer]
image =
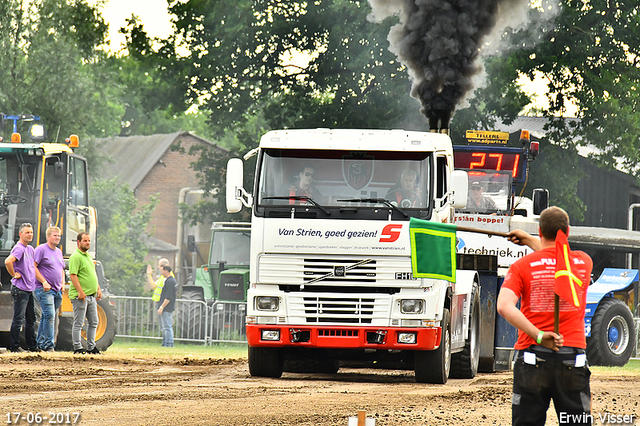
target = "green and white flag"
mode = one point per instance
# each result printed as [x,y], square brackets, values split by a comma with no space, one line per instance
[433,249]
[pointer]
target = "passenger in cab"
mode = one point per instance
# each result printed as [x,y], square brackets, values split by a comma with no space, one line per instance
[404,193]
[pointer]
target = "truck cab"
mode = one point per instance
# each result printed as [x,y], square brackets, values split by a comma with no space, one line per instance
[331,276]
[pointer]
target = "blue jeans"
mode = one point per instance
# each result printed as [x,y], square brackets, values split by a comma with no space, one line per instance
[166,326]
[50,302]
[23,312]
[87,308]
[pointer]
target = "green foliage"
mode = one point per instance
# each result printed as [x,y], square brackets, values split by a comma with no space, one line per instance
[301,64]
[589,56]
[48,56]
[122,244]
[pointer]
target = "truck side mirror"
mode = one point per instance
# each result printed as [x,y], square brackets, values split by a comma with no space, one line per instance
[460,187]
[58,169]
[191,243]
[235,173]
[540,200]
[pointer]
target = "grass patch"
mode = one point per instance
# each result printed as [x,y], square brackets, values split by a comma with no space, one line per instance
[152,348]
[632,367]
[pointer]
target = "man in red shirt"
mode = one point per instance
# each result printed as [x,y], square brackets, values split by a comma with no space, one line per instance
[547,365]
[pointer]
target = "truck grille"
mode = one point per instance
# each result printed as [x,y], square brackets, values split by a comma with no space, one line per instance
[337,309]
[343,310]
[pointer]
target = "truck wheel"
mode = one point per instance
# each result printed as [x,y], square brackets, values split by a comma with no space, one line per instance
[105,333]
[191,316]
[612,334]
[464,365]
[265,362]
[433,366]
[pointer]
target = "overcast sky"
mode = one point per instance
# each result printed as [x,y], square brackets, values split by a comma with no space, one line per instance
[152,13]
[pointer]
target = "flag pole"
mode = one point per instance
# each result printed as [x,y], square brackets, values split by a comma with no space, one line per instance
[556,314]
[482,231]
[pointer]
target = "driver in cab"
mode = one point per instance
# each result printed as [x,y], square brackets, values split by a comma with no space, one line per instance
[478,201]
[404,193]
[304,186]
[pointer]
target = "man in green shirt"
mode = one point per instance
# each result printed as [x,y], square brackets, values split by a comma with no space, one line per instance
[84,294]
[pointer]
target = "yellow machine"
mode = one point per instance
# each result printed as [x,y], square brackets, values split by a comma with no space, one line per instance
[46,184]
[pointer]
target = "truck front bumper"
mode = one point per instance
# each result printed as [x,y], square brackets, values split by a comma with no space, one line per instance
[342,337]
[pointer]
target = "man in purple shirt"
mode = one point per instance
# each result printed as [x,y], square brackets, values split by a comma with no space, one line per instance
[21,267]
[49,280]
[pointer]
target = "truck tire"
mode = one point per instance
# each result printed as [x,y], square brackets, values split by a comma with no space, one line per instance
[464,365]
[191,317]
[434,366]
[266,362]
[613,336]
[105,333]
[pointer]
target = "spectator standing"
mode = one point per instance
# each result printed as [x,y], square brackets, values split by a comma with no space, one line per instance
[21,267]
[49,265]
[166,306]
[548,365]
[156,285]
[84,294]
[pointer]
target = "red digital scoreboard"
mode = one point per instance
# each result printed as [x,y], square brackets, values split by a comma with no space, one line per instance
[491,158]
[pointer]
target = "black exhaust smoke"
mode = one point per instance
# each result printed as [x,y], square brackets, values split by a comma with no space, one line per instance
[440,42]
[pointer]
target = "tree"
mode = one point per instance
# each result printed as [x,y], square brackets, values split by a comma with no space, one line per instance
[590,57]
[262,65]
[303,64]
[121,235]
[48,55]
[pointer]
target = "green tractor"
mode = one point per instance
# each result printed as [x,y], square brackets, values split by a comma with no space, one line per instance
[219,287]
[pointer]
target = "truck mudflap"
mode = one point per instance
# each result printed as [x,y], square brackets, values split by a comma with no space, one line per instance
[337,337]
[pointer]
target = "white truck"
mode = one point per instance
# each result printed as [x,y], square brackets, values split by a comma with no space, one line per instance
[496,168]
[330,275]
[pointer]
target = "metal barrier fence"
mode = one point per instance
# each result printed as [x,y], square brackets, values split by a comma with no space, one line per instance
[193,320]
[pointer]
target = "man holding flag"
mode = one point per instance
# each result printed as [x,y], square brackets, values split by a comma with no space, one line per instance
[550,360]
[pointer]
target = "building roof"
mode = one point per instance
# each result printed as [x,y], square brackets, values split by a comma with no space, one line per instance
[156,245]
[133,157]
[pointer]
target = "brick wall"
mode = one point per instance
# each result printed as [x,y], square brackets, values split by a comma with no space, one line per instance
[168,177]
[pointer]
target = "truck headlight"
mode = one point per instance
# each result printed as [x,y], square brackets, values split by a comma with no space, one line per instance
[411,306]
[267,303]
[272,335]
[407,338]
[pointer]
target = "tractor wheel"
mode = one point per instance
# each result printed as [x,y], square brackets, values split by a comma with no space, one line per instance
[191,316]
[613,336]
[105,333]
[434,366]
[464,365]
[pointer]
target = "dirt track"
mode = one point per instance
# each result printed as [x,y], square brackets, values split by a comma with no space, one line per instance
[108,390]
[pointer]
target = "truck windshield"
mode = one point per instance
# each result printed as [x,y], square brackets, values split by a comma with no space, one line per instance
[18,184]
[230,247]
[344,178]
[489,192]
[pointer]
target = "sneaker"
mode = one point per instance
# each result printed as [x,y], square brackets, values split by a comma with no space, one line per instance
[94,351]
[35,350]
[80,351]
[51,349]
[18,349]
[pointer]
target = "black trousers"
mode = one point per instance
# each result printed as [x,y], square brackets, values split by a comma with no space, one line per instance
[553,375]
